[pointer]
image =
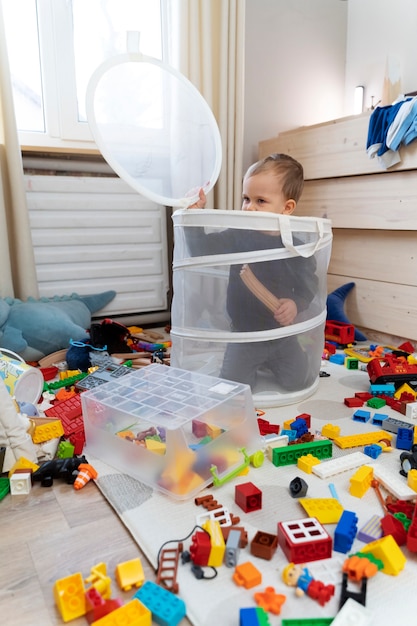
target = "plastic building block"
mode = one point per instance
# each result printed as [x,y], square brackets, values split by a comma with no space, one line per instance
[133,613]
[378,419]
[304,540]
[387,390]
[405,438]
[99,580]
[345,532]
[247,575]
[221,515]
[218,546]
[361,481]
[4,486]
[330,431]
[65,450]
[248,497]
[371,531]
[346,594]
[97,607]
[290,455]
[339,359]
[393,526]
[130,574]
[264,545]
[393,484]
[362,439]
[226,530]
[20,483]
[373,451]
[326,510]
[291,434]
[412,479]
[306,463]
[340,464]
[351,363]
[392,425]
[358,566]
[167,568]
[353,402]
[23,464]
[269,600]
[298,487]
[387,550]
[253,617]
[166,608]
[200,548]
[46,429]
[411,410]
[266,428]
[231,555]
[361,416]
[300,426]
[353,612]
[69,595]
[307,621]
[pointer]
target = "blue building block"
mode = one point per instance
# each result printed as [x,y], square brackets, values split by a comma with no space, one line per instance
[300,426]
[253,617]
[166,608]
[378,418]
[361,416]
[291,434]
[374,450]
[382,390]
[405,437]
[345,532]
[339,359]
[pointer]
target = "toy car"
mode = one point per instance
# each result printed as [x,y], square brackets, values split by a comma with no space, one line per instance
[408,460]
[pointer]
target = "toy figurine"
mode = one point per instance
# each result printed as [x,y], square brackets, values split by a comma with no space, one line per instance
[300,578]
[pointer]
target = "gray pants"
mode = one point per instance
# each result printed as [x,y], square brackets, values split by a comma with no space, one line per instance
[284,358]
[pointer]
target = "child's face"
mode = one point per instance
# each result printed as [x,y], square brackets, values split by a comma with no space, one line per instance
[263,192]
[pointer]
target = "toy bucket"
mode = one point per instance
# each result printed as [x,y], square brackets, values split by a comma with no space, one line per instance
[225,265]
[23,382]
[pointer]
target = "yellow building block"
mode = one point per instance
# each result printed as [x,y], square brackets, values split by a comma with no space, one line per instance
[100,581]
[23,463]
[386,550]
[133,613]
[214,431]
[330,431]
[69,595]
[45,429]
[362,439]
[130,574]
[361,481]
[412,479]
[287,424]
[153,445]
[307,462]
[218,546]
[326,510]
[405,388]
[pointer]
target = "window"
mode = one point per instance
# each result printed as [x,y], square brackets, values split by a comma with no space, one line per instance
[55,49]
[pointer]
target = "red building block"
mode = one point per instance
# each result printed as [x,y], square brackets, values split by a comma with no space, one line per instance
[248,497]
[200,548]
[304,540]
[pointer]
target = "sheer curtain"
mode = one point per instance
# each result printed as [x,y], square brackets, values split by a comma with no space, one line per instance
[207,46]
[17,265]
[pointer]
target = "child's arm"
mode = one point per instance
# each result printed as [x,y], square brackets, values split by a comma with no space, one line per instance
[201,202]
[284,310]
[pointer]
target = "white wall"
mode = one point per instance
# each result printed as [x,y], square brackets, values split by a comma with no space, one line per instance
[295,66]
[381,34]
[304,59]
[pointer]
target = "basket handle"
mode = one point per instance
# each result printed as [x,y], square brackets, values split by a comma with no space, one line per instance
[308,249]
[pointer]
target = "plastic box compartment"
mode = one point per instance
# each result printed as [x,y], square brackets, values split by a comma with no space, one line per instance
[168,427]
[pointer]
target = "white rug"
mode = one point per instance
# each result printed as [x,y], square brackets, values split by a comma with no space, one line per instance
[154,519]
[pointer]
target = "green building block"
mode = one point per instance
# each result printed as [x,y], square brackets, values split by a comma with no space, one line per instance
[290,454]
[308,621]
[4,487]
[376,403]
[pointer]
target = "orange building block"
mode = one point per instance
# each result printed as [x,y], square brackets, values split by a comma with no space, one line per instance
[246,575]
[270,601]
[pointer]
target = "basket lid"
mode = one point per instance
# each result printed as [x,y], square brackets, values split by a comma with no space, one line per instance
[154,128]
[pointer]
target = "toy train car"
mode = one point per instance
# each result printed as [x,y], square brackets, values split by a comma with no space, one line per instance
[339,332]
[391,369]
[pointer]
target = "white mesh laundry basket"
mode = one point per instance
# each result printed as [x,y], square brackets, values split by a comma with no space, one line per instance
[231,270]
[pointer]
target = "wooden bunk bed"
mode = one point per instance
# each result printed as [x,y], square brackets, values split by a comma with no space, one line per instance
[374,219]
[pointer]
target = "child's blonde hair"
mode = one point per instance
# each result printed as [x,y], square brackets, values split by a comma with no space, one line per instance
[288,169]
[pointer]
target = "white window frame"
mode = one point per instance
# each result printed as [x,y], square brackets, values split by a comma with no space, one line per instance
[63,130]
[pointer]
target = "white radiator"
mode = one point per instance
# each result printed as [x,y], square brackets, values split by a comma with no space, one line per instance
[91,234]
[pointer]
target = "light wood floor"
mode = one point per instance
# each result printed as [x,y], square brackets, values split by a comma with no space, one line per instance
[52,533]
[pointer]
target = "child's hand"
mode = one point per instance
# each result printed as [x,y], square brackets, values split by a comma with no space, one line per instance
[286,312]
[201,202]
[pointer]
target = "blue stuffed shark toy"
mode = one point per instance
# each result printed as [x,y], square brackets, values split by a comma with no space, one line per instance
[35,328]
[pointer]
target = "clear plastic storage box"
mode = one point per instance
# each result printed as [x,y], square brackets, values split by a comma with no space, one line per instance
[172,429]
